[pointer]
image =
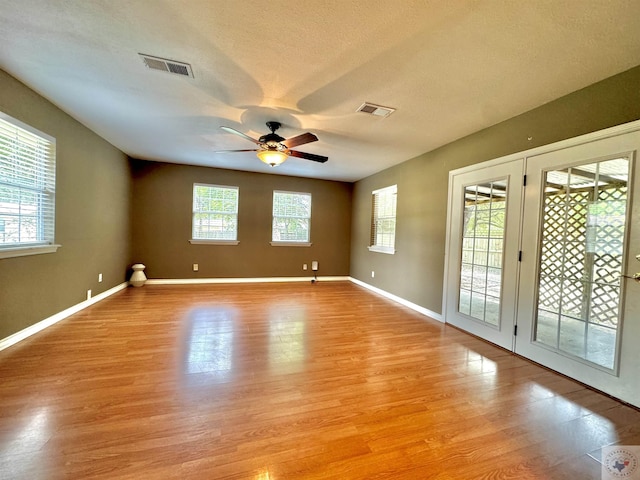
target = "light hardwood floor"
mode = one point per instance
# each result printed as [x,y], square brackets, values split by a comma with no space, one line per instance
[288,381]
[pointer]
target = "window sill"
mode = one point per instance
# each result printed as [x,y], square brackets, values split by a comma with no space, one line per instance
[290,244]
[387,250]
[24,251]
[214,242]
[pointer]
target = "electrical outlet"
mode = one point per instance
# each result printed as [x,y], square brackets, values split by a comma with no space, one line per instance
[88,294]
[99,277]
[373,274]
[314,265]
[195,267]
[304,266]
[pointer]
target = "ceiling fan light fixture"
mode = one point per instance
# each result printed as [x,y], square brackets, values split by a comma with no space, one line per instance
[273,158]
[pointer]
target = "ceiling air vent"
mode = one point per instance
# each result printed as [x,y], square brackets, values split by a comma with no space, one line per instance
[165,65]
[377,110]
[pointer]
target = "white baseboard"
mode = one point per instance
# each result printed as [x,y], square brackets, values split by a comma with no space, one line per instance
[390,296]
[192,281]
[424,311]
[47,322]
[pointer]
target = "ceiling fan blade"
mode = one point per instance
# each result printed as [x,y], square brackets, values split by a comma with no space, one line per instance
[234,151]
[308,156]
[299,140]
[240,134]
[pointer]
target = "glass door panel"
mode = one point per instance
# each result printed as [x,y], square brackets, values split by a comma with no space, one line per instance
[579,274]
[482,242]
[482,263]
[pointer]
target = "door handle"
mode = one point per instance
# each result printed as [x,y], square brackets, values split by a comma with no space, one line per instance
[635,276]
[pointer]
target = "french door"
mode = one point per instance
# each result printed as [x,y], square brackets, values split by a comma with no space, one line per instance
[561,277]
[578,310]
[483,251]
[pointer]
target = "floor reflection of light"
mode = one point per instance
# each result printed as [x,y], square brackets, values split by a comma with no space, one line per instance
[564,423]
[34,434]
[477,364]
[263,475]
[538,391]
[210,341]
[481,365]
[30,439]
[286,337]
[487,372]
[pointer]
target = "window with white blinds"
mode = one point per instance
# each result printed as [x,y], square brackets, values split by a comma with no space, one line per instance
[215,213]
[383,219]
[27,189]
[291,218]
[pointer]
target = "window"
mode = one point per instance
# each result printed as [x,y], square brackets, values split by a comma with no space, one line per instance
[383,220]
[215,214]
[291,218]
[27,189]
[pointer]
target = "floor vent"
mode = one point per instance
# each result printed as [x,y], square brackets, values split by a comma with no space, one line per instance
[165,65]
[377,110]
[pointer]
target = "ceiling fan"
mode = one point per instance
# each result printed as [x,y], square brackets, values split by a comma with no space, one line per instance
[273,149]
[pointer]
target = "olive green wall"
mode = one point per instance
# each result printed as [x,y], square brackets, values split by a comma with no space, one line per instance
[416,271]
[92,218]
[111,212]
[161,219]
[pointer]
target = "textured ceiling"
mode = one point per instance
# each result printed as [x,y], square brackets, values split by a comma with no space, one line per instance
[450,68]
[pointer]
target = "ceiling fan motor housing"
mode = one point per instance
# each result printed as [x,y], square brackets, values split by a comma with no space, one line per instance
[272,140]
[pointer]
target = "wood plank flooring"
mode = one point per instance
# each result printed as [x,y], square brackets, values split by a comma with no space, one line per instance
[288,381]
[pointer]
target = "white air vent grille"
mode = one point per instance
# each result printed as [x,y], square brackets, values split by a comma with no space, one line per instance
[165,65]
[377,110]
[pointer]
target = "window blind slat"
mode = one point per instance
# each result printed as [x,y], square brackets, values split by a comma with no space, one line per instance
[383,217]
[27,185]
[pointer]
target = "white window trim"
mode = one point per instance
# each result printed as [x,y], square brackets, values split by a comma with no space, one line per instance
[291,243]
[214,241]
[379,248]
[33,248]
[201,241]
[274,243]
[387,250]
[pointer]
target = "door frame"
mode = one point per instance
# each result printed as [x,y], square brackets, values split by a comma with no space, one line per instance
[512,171]
[625,385]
